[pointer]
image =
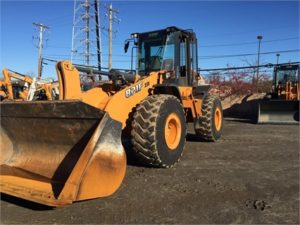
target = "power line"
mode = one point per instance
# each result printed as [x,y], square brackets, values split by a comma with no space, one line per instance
[246,43]
[66,55]
[269,65]
[82,60]
[53,46]
[247,54]
[65,47]
[92,67]
[263,72]
[266,66]
[204,57]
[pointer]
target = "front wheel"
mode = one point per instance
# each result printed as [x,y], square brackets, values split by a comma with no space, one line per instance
[158,131]
[209,126]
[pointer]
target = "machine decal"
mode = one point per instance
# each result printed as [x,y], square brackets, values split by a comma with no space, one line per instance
[131,91]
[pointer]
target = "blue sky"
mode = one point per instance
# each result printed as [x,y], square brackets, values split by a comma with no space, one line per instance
[215,23]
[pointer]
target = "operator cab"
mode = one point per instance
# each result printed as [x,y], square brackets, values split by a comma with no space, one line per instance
[286,73]
[171,49]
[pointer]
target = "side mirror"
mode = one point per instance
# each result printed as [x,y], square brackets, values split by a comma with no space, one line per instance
[126,46]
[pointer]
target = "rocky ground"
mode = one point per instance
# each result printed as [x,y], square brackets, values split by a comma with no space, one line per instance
[250,176]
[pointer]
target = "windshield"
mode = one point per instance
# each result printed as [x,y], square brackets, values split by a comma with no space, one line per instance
[155,52]
[285,75]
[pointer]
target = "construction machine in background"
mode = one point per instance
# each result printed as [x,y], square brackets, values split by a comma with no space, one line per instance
[3,90]
[26,88]
[281,106]
[58,152]
[11,90]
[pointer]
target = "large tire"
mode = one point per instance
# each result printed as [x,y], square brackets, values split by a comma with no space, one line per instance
[209,126]
[158,131]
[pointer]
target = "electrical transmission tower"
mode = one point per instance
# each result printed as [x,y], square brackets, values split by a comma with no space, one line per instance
[86,35]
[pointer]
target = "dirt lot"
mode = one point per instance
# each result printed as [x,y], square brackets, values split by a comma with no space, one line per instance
[250,176]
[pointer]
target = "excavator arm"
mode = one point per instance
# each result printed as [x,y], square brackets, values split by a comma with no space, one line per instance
[28,93]
[7,83]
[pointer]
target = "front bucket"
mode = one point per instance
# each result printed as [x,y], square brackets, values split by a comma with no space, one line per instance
[278,112]
[57,152]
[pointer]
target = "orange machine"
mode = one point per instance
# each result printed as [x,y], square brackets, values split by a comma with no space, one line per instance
[286,83]
[282,104]
[3,91]
[30,90]
[7,90]
[58,152]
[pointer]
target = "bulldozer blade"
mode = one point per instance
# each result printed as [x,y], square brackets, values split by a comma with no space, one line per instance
[278,112]
[58,152]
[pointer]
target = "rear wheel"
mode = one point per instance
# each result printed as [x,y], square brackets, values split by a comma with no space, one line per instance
[158,131]
[209,126]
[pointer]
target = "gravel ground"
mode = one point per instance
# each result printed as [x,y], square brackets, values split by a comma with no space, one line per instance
[250,176]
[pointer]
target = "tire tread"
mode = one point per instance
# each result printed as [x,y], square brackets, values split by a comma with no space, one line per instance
[205,129]
[143,131]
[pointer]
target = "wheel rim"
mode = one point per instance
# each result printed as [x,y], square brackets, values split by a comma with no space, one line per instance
[218,119]
[172,131]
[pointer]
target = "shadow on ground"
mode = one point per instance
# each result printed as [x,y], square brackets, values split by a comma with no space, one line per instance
[24,203]
[246,111]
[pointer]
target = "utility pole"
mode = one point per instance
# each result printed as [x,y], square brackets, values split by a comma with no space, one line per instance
[277,57]
[259,37]
[110,33]
[42,28]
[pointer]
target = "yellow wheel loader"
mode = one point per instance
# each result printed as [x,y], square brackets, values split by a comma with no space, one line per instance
[281,106]
[58,152]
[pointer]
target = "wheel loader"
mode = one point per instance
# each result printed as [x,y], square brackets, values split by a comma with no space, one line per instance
[281,105]
[59,152]
[30,89]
